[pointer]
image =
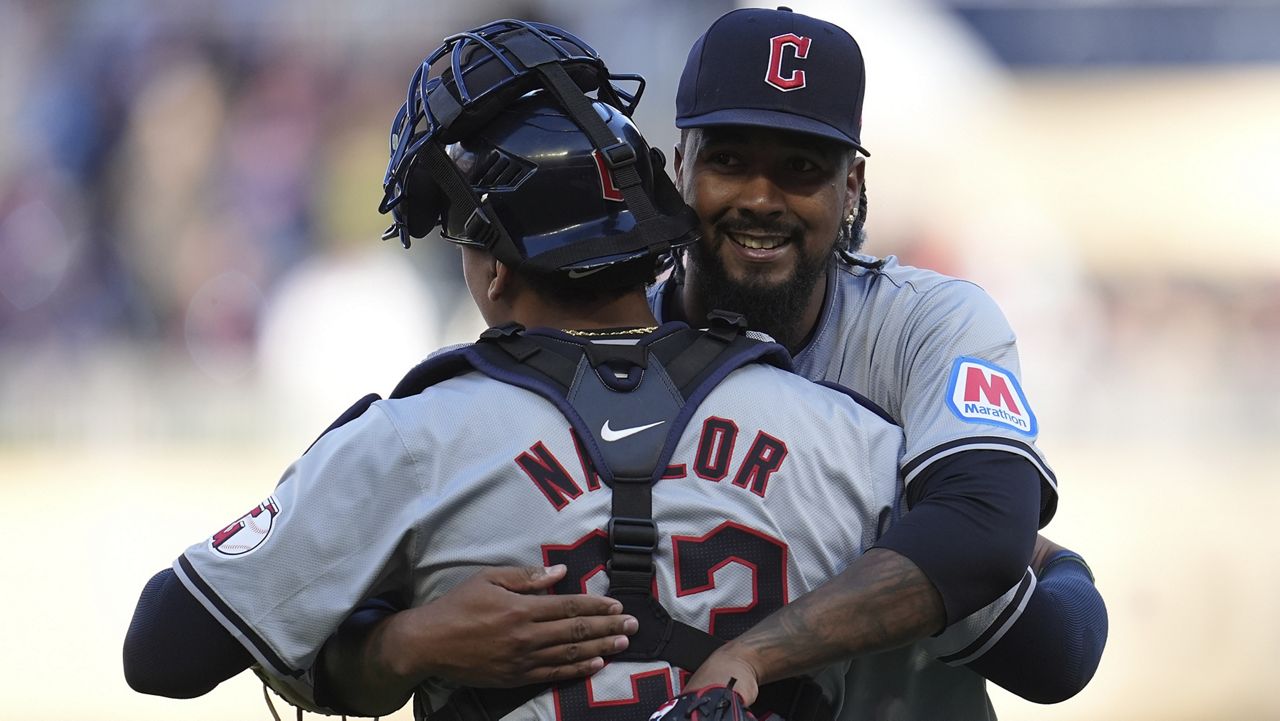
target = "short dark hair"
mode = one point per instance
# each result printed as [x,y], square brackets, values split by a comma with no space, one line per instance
[597,288]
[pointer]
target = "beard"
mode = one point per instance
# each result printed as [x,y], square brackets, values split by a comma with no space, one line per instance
[775,308]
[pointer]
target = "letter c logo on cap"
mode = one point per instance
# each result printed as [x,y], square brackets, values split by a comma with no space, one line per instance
[777,45]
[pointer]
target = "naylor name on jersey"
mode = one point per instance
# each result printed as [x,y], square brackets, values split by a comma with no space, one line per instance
[712,462]
[982,392]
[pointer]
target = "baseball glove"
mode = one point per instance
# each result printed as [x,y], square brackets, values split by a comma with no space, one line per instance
[709,703]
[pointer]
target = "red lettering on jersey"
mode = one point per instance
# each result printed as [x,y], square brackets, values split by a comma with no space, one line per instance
[607,186]
[674,471]
[774,76]
[715,448]
[698,559]
[584,459]
[578,701]
[585,558]
[995,389]
[548,475]
[763,459]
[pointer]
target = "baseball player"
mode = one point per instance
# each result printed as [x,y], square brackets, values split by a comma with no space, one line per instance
[770,103]
[635,450]
[770,106]
[1002,647]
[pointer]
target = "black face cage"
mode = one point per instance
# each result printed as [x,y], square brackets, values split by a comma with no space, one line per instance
[463,85]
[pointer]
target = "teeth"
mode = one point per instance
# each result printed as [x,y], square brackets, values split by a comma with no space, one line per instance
[758,243]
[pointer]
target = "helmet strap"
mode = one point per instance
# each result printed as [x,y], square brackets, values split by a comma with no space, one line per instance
[617,154]
[482,226]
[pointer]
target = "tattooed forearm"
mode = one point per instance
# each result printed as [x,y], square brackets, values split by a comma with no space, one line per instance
[881,601]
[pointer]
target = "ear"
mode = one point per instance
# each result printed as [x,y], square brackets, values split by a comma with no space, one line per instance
[500,284]
[479,269]
[853,183]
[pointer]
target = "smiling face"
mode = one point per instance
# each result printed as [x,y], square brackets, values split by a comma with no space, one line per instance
[771,204]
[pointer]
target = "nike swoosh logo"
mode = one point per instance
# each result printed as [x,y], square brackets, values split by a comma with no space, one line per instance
[610,435]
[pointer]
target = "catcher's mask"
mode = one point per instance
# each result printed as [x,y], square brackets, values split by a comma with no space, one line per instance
[500,144]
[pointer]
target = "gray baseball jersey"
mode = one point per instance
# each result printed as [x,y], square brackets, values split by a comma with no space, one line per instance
[757,507]
[938,355]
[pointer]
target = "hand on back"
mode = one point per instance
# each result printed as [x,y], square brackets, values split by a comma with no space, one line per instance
[499,629]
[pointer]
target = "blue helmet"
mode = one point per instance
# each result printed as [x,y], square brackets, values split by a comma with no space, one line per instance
[500,145]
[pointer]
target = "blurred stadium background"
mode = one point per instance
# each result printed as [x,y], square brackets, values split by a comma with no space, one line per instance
[191,287]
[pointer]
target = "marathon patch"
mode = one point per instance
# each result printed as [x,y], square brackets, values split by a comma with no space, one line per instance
[247,532]
[982,392]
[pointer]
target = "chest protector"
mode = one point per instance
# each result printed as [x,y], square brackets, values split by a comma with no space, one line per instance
[660,379]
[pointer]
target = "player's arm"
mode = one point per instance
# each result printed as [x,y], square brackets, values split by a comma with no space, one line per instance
[491,631]
[895,594]
[174,647]
[1048,655]
[880,602]
[978,528]
[971,527]
[1052,650]
[252,569]
[976,486]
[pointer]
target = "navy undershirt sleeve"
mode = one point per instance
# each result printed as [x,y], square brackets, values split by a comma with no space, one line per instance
[174,647]
[1063,628]
[367,615]
[971,527]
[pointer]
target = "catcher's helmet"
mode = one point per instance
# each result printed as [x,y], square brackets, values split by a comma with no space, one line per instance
[505,151]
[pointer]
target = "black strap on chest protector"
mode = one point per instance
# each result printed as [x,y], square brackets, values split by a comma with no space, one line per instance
[657,384]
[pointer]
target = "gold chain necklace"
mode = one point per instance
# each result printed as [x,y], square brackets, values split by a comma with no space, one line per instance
[602,333]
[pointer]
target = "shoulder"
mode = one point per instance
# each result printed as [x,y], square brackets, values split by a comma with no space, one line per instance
[457,396]
[888,276]
[906,292]
[803,397]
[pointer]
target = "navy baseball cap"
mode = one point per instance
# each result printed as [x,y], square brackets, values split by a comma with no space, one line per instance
[775,69]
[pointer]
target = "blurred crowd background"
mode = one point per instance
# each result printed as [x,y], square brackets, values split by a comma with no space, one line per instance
[192,287]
